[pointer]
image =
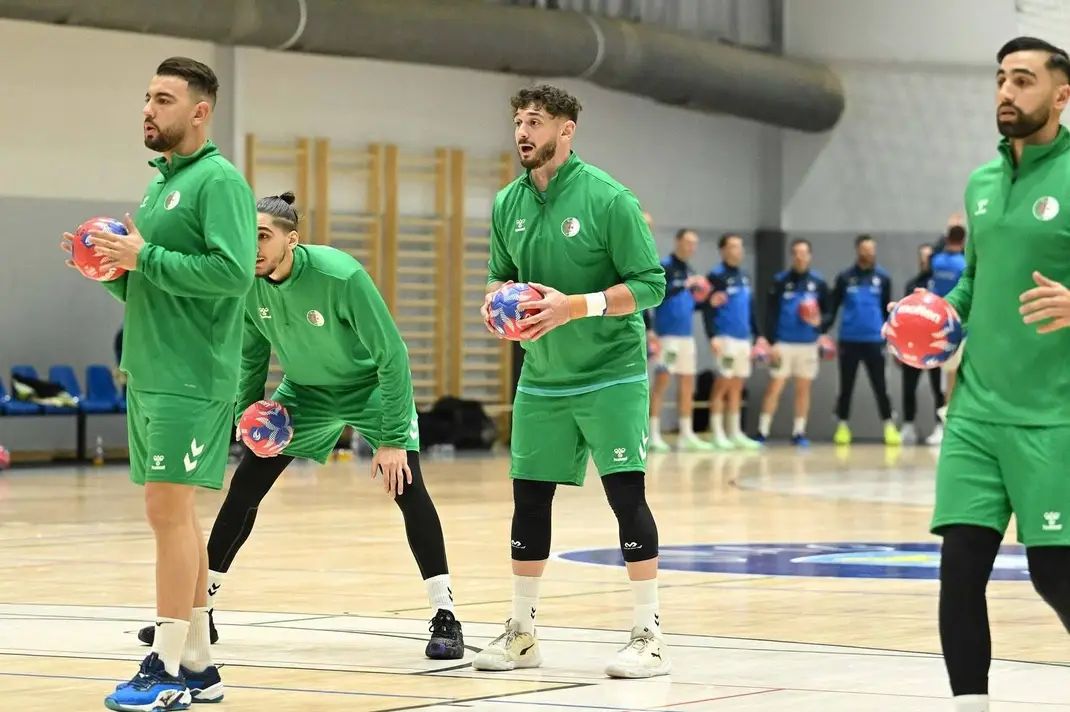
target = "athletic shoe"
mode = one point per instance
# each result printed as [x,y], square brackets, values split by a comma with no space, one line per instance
[693,443]
[510,650]
[936,436]
[759,438]
[800,440]
[908,434]
[891,435]
[723,444]
[842,435]
[147,635]
[742,442]
[645,655]
[204,686]
[150,690]
[447,641]
[658,445]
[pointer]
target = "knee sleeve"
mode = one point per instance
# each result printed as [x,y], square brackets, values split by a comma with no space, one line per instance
[1049,568]
[422,526]
[626,492]
[532,508]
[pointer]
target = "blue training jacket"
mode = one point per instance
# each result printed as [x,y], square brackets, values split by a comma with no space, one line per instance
[782,320]
[735,318]
[675,315]
[864,295]
[947,267]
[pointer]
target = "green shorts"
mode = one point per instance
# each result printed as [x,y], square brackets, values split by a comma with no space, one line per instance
[553,436]
[987,471]
[321,413]
[178,439]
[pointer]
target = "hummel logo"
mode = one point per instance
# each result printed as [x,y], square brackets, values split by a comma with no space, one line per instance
[520,227]
[265,313]
[533,613]
[157,462]
[414,429]
[618,454]
[196,449]
[449,591]
[213,589]
[189,464]
[160,623]
[1052,519]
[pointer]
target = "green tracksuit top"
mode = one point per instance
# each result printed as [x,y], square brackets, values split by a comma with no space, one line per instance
[585,234]
[182,329]
[330,328]
[1018,219]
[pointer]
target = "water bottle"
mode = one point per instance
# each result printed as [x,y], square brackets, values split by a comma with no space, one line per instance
[98,455]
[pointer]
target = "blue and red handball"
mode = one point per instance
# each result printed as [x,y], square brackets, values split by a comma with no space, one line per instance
[266,428]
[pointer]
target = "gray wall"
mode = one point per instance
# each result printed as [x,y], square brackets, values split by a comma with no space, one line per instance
[53,315]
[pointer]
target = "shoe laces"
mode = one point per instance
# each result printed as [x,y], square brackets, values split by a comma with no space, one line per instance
[148,674]
[442,624]
[506,639]
[640,642]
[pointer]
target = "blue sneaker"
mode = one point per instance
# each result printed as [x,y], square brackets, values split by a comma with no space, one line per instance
[800,441]
[151,690]
[204,686]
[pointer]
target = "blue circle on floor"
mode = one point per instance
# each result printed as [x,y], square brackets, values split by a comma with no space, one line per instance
[883,560]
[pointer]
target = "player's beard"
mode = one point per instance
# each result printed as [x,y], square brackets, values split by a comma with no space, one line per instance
[1024,124]
[269,265]
[165,139]
[540,156]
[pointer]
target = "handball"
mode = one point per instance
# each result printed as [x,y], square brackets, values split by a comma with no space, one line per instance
[85,257]
[266,428]
[923,330]
[701,289]
[507,309]
[808,310]
[5,458]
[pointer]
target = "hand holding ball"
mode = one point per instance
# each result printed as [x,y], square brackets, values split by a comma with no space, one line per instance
[507,309]
[923,330]
[86,258]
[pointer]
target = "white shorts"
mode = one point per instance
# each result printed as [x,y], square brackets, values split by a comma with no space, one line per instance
[796,361]
[953,363]
[678,355]
[734,361]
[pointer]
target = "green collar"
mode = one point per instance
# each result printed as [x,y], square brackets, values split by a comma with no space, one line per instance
[1034,153]
[564,175]
[300,260]
[178,161]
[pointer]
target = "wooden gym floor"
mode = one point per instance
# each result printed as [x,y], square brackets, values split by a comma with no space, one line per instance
[790,581]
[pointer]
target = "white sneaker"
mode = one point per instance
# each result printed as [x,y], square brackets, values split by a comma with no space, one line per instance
[908,434]
[722,444]
[658,445]
[693,443]
[744,443]
[645,655]
[510,650]
[936,436]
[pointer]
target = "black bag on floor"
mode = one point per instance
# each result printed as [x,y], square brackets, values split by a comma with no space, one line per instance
[461,423]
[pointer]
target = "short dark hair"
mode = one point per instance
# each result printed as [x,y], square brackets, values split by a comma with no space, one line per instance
[864,238]
[956,234]
[1059,61]
[199,76]
[726,237]
[801,241]
[683,231]
[281,209]
[555,102]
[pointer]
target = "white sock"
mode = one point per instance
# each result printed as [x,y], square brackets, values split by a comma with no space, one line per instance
[215,582]
[718,425]
[655,428]
[733,424]
[525,601]
[799,428]
[439,593]
[765,422]
[645,595]
[197,654]
[169,640]
[686,430]
[971,703]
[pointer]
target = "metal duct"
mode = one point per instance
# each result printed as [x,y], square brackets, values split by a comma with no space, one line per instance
[635,58]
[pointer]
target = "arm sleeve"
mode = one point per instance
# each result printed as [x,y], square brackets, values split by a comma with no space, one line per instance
[632,250]
[772,310]
[961,297]
[117,287]
[835,300]
[886,296]
[709,312]
[500,266]
[228,218]
[255,360]
[378,332]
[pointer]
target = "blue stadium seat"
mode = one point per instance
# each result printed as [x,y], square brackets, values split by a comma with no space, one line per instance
[101,395]
[64,376]
[13,406]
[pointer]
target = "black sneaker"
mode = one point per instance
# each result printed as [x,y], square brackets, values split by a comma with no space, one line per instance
[147,635]
[447,642]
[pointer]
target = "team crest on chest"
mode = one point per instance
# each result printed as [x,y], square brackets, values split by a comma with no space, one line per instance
[172,200]
[1046,208]
[315,318]
[570,227]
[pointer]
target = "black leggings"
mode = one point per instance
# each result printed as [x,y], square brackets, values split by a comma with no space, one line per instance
[871,355]
[911,376]
[255,477]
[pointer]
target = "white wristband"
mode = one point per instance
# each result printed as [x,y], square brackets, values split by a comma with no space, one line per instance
[596,303]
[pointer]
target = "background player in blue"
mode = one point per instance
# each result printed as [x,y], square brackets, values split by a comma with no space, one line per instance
[731,326]
[863,290]
[673,324]
[793,338]
[947,267]
[912,375]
